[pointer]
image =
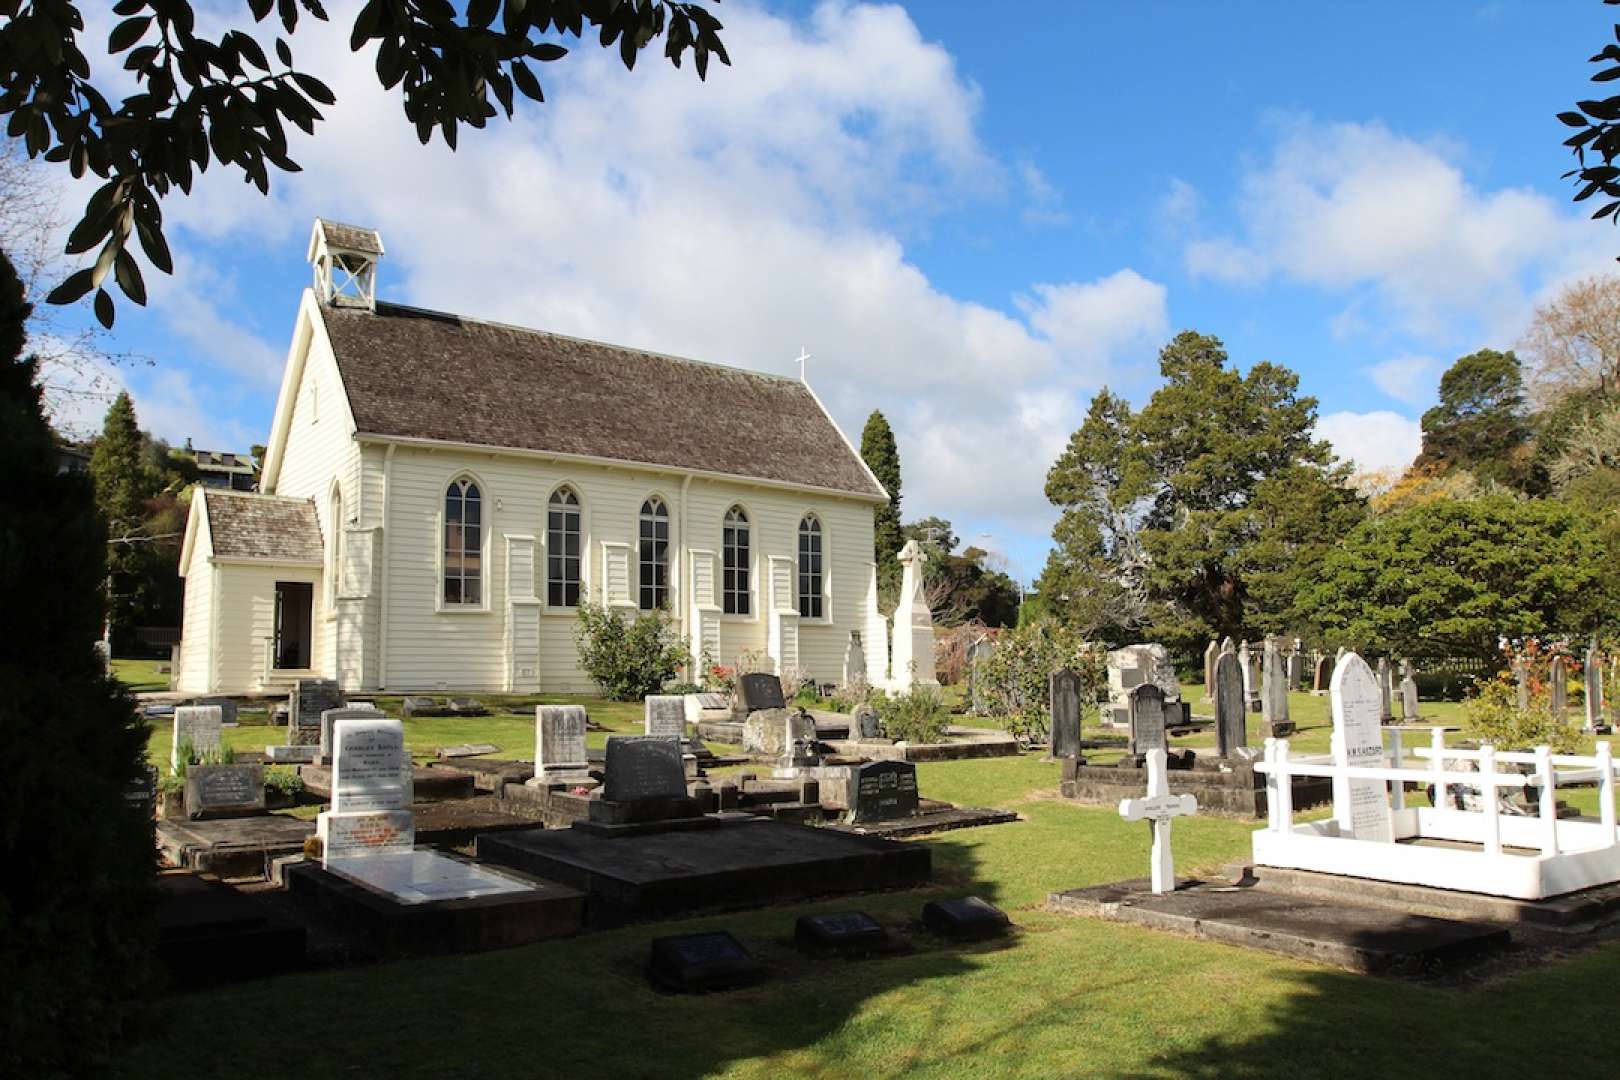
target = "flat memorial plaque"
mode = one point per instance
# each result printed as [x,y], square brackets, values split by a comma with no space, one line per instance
[706,961]
[839,930]
[425,876]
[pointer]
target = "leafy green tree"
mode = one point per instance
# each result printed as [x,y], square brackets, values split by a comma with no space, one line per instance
[125,484]
[883,458]
[202,99]
[1193,515]
[1448,577]
[962,587]
[75,898]
[1480,423]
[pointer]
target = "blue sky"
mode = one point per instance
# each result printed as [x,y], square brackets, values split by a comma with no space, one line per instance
[972,225]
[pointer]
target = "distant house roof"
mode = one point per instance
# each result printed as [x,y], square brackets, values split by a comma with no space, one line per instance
[420,374]
[224,460]
[268,527]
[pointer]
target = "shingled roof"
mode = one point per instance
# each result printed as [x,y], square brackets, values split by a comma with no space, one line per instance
[420,374]
[244,525]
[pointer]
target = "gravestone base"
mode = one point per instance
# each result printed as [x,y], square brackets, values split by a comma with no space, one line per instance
[1361,939]
[746,861]
[1229,788]
[539,910]
[231,847]
[427,783]
[643,811]
[556,808]
[491,775]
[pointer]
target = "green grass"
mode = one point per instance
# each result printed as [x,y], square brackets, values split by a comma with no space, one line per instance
[1062,997]
[141,676]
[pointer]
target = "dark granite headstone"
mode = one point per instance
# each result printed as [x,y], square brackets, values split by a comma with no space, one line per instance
[699,962]
[1146,705]
[966,917]
[759,690]
[839,930]
[643,767]
[1064,690]
[1231,722]
[310,698]
[883,791]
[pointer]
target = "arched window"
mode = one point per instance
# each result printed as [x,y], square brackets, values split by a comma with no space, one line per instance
[463,543]
[654,554]
[734,544]
[562,549]
[810,568]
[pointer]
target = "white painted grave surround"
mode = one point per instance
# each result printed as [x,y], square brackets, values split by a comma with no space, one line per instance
[197,724]
[1160,807]
[1358,741]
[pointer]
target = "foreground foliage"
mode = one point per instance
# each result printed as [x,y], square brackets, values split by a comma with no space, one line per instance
[628,656]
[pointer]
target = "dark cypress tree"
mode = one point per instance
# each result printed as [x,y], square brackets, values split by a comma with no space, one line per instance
[883,458]
[76,893]
[125,481]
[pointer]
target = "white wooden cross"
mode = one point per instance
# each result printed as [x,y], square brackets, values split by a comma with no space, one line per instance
[1159,807]
[802,357]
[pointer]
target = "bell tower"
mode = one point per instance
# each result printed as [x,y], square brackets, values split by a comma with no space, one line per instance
[345,259]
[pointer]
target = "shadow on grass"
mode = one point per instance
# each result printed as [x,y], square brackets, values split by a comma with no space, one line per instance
[580,1006]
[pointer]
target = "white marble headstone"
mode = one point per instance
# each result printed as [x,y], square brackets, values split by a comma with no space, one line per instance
[1359,741]
[370,769]
[198,725]
[665,715]
[559,743]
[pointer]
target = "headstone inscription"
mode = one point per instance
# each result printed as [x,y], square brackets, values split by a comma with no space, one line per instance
[1231,722]
[838,930]
[643,767]
[1064,694]
[198,725]
[1147,719]
[559,744]
[1361,806]
[1274,693]
[1159,807]
[331,716]
[224,790]
[759,690]
[1559,688]
[371,791]
[310,698]
[883,791]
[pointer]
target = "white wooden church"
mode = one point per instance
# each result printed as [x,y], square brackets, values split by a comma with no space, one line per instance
[440,494]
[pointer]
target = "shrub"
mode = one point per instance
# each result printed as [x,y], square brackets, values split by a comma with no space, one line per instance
[629,657]
[918,716]
[1493,715]
[283,780]
[681,688]
[1018,671]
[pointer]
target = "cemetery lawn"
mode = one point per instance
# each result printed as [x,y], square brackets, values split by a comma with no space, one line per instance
[1062,996]
[140,675]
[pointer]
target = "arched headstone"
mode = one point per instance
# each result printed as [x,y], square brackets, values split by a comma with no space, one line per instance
[1361,806]
[1231,729]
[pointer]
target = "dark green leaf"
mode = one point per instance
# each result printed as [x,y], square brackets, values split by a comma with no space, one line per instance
[104,308]
[127,33]
[73,289]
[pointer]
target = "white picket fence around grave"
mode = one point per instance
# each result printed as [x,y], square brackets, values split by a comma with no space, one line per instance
[1527,858]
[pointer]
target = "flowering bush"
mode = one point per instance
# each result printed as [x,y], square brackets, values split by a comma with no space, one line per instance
[1016,675]
[628,657]
[1493,715]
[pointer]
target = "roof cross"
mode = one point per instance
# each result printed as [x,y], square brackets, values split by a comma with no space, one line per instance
[1159,807]
[802,357]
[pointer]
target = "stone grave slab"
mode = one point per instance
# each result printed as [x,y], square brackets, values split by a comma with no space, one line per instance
[466,750]
[231,847]
[882,791]
[745,860]
[224,791]
[759,690]
[697,963]
[965,918]
[1344,935]
[466,706]
[423,706]
[421,877]
[839,931]
[433,783]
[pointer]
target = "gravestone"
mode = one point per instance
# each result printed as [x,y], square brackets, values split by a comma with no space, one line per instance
[1231,721]
[227,709]
[1594,687]
[1323,675]
[1211,653]
[214,791]
[1295,667]
[559,745]
[330,716]
[1386,690]
[310,698]
[1251,678]
[1274,694]
[420,706]
[978,653]
[1147,719]
[839,930]
[371,791]
[759,690]
[665,715]
[854,660]
[882,791]
[643,767]
[1358,740]
[197,724]
[699,962]
[1409,697]
[865,723]
[1560,687]
[1159,807]
[965,918]
[1064,693]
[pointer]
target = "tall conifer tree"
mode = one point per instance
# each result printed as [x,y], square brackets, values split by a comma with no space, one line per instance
[883,458]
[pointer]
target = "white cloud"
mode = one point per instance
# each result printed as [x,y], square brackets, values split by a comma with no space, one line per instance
[1410,379]
[735,221]
[1394,223]
[1372,440]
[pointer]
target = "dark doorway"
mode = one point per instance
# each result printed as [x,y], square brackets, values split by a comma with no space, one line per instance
[295,603]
